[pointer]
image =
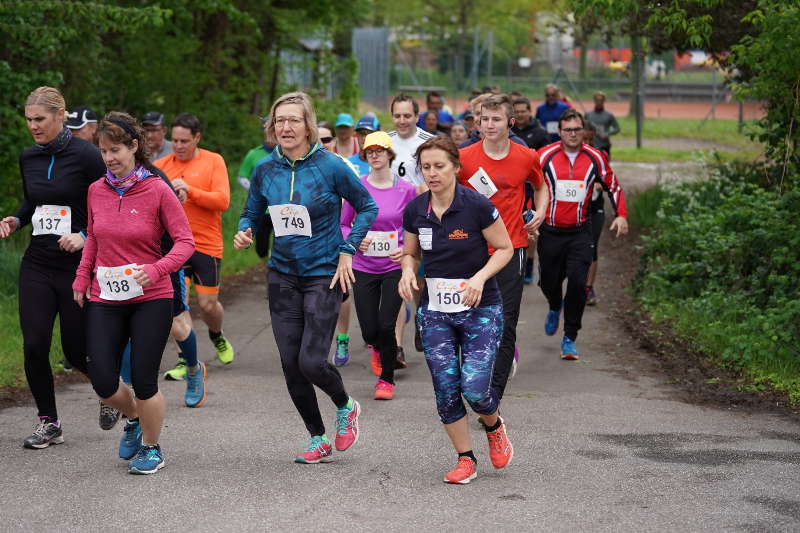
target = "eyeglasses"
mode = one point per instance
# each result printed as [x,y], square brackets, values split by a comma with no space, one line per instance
[571,130]
[550,95]
[292,122]
[325,140]
[374,151]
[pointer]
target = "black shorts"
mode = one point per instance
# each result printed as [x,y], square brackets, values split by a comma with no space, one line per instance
[179,292]
[203,270]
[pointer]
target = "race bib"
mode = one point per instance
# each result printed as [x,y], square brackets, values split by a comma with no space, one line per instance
[483,183]
[290,219]
[570,191]
[552,127]
[382,243]
[426,238]
[52,220]
[117,283]
[444,295]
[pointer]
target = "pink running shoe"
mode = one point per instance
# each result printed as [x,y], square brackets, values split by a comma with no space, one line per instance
[319,451]
[347,426]
[384,390]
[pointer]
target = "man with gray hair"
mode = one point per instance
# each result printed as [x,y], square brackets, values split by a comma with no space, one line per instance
[550,111]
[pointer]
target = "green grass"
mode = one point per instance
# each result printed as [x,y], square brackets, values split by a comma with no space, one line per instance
[643,206]
[717,131]
[648,154]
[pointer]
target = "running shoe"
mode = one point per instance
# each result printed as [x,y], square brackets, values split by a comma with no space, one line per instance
[591,297]
[375,361]
[384,390]
[195,395]
[515,362]
[500,449]
[342,355]
[528,278]
[45,434]
[551,324]
[568,351]
[224,350]
[319,450]
[131,440]
[177,373]
[108,416]
[400,362]
[66,365]
[347,426]
[148,460]
[463,473]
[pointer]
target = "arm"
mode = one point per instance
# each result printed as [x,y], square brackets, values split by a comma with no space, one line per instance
[86,266]
[612,186]
[409,264]
[541,196]
[219,197]
[256,204]
[349,187]
[613,127]
[346,222]
[497,237]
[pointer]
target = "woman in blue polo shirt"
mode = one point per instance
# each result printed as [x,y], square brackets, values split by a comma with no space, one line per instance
[461,311]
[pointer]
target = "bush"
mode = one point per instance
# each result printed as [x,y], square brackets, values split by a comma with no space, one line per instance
[722,265]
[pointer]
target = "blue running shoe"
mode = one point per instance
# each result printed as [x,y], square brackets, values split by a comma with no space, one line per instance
[568,351]
[131,440]
[551,324]
[195,394]
[147,461]
[342,355]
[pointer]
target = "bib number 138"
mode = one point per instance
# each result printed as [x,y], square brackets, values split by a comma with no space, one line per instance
[290,219]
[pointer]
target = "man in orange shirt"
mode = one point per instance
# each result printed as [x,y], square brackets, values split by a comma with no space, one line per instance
[200,178]
[498,169]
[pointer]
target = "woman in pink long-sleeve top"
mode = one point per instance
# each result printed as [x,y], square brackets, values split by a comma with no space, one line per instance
[126,280]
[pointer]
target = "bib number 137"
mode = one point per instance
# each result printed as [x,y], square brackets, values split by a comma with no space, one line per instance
[290,219]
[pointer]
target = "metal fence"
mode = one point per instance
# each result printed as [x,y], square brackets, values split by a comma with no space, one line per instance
[371,48]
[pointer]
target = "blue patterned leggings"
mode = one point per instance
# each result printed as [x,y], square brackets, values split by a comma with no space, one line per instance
[477,332]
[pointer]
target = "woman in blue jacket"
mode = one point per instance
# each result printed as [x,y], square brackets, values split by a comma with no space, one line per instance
[300,187]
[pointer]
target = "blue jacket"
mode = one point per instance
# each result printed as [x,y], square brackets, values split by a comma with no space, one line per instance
[319,181]
[546,113]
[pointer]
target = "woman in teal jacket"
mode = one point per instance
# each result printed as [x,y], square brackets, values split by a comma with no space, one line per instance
[300,187]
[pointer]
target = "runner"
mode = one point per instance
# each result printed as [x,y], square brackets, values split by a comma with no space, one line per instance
[155,131]
[376,264]
[126,280]
[499,168]
[605,122]
[549,112]
[83,123]
[461,313]
[597,215]
[346,143]
[326,138]
[201,179]
[406,138]
[365,125]
[302,186]
[56,173]
[571,168]
[252,158]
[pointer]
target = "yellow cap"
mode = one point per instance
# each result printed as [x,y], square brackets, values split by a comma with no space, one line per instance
[378,138]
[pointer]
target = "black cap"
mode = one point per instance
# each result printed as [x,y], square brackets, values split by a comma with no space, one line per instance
[79,117]
[153,118]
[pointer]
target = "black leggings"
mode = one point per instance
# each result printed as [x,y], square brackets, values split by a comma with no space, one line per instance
[146,324]
[509,280]
[377,305]
[43,293]
[304,311]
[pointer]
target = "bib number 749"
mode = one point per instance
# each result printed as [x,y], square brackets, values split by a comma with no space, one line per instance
[290,219]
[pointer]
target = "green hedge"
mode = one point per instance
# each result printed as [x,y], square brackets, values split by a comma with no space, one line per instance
[721,264]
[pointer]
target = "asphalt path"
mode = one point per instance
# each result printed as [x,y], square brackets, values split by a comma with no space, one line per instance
[598,447]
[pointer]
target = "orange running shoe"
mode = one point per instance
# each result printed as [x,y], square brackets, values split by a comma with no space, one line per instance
[500,449]
[375,363]
[384,390]
[463,473]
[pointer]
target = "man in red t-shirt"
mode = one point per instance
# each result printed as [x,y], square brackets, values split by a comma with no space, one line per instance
[498,169]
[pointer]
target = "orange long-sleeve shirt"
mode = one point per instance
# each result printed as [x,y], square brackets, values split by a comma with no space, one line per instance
[209,196]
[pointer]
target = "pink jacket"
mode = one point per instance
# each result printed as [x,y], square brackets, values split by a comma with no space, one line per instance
[127,229]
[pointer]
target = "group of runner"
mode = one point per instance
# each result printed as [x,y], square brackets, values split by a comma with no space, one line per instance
[427,223]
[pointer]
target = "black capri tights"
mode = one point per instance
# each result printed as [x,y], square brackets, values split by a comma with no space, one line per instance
[146,324]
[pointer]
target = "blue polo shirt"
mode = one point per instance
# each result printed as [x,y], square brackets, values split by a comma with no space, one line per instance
[548,116]
[458,249]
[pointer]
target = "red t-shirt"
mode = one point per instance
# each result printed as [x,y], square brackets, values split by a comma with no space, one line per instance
[508,175]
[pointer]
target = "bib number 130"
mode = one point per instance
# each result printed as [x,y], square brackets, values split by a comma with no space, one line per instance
[290,219]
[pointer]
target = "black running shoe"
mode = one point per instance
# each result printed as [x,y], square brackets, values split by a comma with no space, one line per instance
[45,434]
[108,416]
[400,362]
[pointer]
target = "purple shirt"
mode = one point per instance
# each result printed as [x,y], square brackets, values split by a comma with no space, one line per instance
[391,203]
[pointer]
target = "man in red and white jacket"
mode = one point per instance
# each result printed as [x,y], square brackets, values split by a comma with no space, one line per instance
[570,169]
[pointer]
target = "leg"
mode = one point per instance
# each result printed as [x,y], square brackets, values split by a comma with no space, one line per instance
[286,312]
[72,320]
[343,321]
[38,304]
[482,331]
[390,304]
[108,331]
[440,341]
[458,432]
[579,259]
[150,323]
[551,268]
[211,310]
[509,280]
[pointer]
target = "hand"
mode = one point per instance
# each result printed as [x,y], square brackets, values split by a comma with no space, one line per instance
[396,255]
[141,277]
[472,291]
[344,273]
[533,238]
[181,188]
[71,243]
[243,239]
[408,285]
[8,226]
[533,226]
[364,246]
[621,225]
[182,196]
[80,297]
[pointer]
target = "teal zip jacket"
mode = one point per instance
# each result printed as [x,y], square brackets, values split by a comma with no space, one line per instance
[319,181]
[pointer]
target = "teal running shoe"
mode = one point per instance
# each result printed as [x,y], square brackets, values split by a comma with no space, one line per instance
[147,461]
[131,440]
[568,351]
[195,395]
